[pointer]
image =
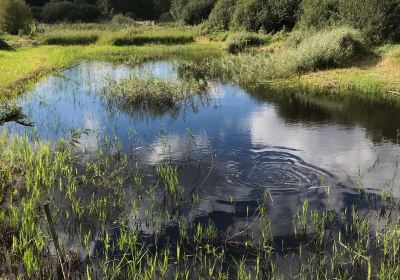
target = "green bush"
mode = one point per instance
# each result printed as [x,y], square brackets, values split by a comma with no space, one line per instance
[15,15]
[267,15]
[221,16]
[331,48]
[4,45]
[378,19]
[196,11]
[238,42]
[36,12]
[166,17]
[68,11]
[191,11]
[318,14]
[121,19]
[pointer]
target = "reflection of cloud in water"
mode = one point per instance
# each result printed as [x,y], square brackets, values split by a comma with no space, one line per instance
[90,141]
[343,154]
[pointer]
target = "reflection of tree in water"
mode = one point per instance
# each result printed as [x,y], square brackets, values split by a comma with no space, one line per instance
[298,104]
[11,113]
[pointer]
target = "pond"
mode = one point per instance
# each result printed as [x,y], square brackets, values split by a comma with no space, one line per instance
[236,147]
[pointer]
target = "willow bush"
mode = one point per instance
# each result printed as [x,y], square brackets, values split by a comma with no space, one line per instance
[267,15]
[15,15]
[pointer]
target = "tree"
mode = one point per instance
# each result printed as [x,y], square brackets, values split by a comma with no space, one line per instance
[15,15]
[270,15]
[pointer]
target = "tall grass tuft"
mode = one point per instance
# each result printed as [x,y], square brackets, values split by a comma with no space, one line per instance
[152,91]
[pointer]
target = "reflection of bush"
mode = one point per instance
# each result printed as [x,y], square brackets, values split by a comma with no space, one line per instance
[12,114]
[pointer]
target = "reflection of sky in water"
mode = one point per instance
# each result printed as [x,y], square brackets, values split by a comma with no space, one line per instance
[255,148]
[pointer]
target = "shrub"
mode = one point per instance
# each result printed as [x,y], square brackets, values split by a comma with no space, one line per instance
[15,15]
[331,48]
[68,11]
[378,19]
[166,17]
[121,19]
[36,12]
[268,15]
[177,7]
[318,14]
[191,11]
[4,45]
[221,16]
[131,15]
[84,13]
[237,42]
[196,11]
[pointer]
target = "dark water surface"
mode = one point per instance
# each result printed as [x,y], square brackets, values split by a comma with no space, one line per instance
[239,145]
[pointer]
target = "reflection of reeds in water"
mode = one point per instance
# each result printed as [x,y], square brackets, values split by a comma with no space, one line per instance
[102,204]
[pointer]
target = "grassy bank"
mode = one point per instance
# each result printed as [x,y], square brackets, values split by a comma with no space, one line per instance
[332,62]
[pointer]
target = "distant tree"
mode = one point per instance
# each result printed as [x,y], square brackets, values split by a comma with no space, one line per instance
[270,15]
[221,16]
[15,15]
[316,14]
[192,11]
[378,19]
[70,11]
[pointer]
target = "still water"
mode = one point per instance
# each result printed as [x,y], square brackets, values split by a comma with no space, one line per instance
[233,146]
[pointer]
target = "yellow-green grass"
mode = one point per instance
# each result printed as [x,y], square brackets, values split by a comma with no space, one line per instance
[372,75]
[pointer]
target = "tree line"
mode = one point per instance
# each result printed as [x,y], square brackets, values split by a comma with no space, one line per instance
[378,19]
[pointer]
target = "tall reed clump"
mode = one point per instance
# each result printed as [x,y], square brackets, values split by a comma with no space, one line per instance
[149,90]
[331,48]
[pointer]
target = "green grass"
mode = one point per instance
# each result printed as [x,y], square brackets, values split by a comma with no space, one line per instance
[69,38]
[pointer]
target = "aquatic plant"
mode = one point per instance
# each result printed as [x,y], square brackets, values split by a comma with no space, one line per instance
[152,91]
